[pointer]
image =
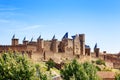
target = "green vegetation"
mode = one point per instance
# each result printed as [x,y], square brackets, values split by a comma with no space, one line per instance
[39,73]
[100,62]
[98,68]
[117,77]
[50,64]
[14,66]
[101,66]
[76,71]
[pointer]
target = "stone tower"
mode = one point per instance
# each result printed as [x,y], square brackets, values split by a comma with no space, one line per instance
[67,44]
[76,45]
[40,44]
[96,50]
[82,43]
[25,42]
[87,50]
[54,45]
[15,41]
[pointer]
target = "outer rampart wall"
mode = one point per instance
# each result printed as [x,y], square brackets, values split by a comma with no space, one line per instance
[14,48]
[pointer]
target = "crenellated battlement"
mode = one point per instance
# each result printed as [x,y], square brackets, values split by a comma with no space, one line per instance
[71,46]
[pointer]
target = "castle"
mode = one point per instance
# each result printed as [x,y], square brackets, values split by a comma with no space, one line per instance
[74,46]
[66,48]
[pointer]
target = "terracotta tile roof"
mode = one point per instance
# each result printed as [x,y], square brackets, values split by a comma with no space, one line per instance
[106,74]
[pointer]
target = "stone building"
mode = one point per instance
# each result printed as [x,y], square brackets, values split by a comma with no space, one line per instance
[70,46]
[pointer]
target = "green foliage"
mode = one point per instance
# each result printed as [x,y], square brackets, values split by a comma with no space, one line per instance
[39,73]
[50,64]
[98,68]
[76,71]
[117,77]
[107,69]
[100,62]
[73,71]
[14,66]
[91,70]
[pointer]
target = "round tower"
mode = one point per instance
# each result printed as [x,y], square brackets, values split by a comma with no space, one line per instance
[82,43]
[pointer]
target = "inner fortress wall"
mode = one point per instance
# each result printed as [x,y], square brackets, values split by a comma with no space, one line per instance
[76,45]
[47,46]
[69,46]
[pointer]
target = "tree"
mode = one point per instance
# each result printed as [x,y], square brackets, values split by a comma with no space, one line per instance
[76,71]
[39,73]
[50,64]
[73,71]
[90,70]
[14,66]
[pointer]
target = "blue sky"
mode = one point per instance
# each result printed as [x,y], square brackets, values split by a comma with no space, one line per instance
[99,20]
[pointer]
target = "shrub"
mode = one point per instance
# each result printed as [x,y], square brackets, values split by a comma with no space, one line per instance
[117,77]
[50,64]
[76,71]
[98,68]
[100,62]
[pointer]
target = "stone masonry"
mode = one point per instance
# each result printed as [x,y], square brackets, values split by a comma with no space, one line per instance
[70,46]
